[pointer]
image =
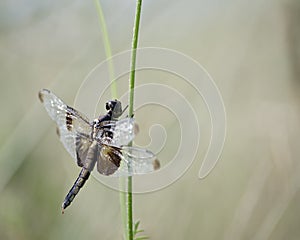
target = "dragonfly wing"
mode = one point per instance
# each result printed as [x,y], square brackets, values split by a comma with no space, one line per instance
[109,160]
[124,131]
[73,127]
[136,161]
[82,146]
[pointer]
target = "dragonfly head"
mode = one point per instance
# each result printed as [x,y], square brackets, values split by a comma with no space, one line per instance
[115,107]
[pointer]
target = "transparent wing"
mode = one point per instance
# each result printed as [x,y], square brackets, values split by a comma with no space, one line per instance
[128,161]
[117,133]
[74,128]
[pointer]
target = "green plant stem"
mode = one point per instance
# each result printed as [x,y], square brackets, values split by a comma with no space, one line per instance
[123,205]
[129,219]
[107,48]
[130,110]
[133,56]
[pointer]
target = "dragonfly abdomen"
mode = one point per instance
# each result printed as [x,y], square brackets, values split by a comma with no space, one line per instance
[89,164]
[80,181]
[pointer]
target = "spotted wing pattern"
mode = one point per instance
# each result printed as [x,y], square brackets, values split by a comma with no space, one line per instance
[137,161]
[116,158]
[109,160]
[125,161]
[74,128]
[113,157]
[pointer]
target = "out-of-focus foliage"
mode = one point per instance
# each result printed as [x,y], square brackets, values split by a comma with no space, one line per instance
[252,50]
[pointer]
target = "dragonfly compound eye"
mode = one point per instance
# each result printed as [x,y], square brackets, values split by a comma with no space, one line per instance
[108,106]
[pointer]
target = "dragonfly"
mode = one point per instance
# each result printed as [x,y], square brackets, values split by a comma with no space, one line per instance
[102,142]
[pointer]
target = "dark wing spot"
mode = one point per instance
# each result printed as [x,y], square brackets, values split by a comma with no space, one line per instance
[109,160]
[115,158]
[136,129]
[41,96]
[69,121]
[57,132]
[156,164]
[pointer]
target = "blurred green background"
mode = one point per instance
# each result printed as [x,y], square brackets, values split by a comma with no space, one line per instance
[251,49]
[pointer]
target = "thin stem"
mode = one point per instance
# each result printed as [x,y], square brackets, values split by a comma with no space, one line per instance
[133,55]
[107,48]
[122,196]
[130,111]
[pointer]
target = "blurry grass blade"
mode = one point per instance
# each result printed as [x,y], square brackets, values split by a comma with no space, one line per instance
[20,143]
[22,140]
[107,48]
